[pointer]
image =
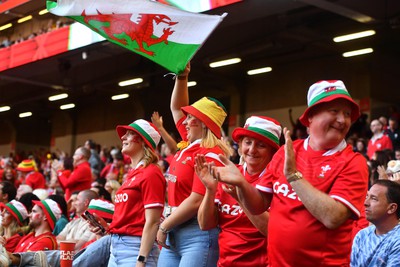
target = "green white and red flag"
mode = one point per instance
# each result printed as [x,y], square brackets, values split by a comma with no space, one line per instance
[164,34]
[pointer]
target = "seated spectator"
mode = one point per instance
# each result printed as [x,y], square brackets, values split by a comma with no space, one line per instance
[103,209]
[13,217]
[42,220]
[378,244]
[77,230]
[29,175]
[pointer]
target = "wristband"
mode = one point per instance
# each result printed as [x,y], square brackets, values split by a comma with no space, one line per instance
[163,230]
[294,177]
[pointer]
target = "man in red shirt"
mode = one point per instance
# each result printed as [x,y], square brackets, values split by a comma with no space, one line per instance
[42,219]
[379,140]
[29,175]
[81,177]
[315,187]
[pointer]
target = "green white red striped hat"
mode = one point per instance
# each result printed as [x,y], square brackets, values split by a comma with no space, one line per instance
[17,210]
[104,209]
[262,128]
[50,209]
[327,91]
[209,111]
[147,130]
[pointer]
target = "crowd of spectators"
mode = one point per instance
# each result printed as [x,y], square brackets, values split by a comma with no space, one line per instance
[19,37]
[32,183]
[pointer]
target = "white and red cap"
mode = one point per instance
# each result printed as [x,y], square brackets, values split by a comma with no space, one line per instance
[327,91]
[145,129]
[17,210]
[262,128]
[50,209]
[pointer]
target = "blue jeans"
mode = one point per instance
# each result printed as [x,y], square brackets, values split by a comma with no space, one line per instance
[96,254]
[190,246]
[125,249]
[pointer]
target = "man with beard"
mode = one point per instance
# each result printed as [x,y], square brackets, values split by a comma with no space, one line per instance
[314,187]
[42,219]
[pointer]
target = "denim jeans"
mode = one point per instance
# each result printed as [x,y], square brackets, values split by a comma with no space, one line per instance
[96,254]
[190,246]
[125,249]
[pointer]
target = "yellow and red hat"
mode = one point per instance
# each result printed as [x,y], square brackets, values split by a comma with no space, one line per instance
[327,91]
[27,165]
[209,111]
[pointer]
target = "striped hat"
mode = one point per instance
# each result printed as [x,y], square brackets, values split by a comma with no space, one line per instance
[17,210]
[50,209]
[327,91]
[262,128]
[26,165]
[145,129]
[102,208]
[209,111]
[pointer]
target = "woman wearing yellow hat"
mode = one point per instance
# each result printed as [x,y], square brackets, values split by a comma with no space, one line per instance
[183,242]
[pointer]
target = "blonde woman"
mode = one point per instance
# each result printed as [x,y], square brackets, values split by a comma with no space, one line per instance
[184,244]
[139,201]
[13,218]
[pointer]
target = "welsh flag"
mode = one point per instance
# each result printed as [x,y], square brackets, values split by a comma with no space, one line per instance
[164,34]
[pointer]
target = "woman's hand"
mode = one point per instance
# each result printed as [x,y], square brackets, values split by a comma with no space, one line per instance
[203,171]
[186,71]
[382,172]
[157,120]
[162,238]
[231,190]
[229,174]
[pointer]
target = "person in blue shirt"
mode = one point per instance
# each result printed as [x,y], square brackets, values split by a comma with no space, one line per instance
[379,244]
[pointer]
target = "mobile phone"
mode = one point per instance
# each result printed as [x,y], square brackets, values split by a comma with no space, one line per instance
[92,220]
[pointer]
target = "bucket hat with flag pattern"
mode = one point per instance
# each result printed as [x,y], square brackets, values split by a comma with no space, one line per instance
[327,91]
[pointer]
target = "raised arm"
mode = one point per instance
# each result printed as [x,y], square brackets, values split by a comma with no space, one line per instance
[157,120]
[180,94]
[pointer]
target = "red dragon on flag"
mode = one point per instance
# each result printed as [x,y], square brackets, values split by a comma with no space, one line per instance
[142,32]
